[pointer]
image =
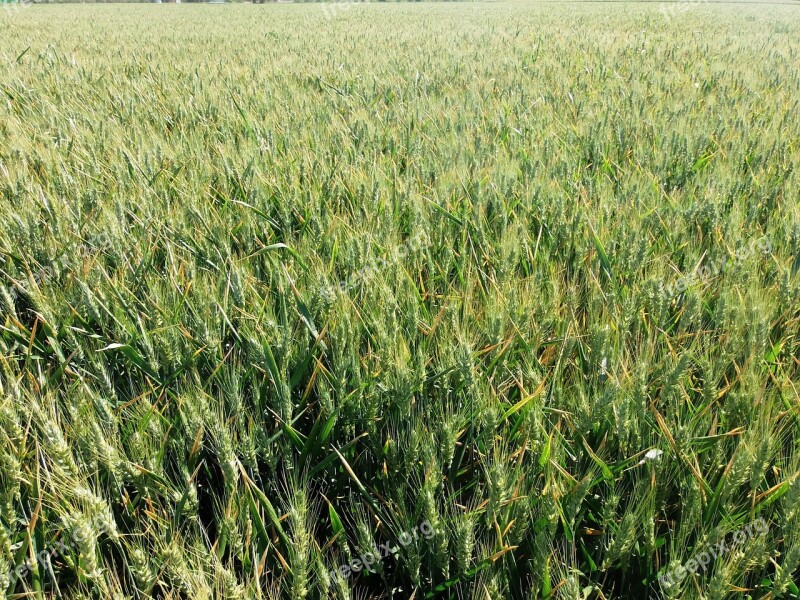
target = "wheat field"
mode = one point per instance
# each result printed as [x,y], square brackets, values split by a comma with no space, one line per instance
[375,300]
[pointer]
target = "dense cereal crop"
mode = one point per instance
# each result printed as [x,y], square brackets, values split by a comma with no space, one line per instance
[485,300]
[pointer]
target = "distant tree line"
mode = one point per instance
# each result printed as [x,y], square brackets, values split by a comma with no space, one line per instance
[183,1]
